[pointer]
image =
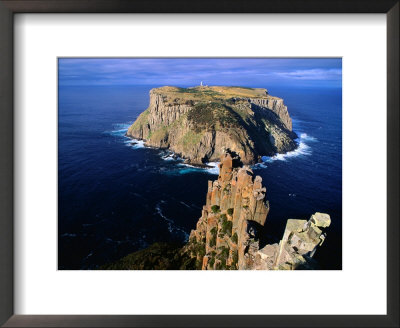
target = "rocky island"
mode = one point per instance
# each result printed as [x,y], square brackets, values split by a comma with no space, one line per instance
[229,232]
[198,123]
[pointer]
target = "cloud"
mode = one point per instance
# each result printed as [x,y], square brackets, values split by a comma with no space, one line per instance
[190,71]
[313,74]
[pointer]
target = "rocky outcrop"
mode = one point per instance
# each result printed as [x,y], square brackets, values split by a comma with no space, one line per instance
[199,123]
[276,106]
[227,233]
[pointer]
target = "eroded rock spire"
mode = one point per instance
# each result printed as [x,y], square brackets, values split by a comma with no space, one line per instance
[227,233]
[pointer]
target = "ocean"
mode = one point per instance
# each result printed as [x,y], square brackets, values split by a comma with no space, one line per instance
[116,196]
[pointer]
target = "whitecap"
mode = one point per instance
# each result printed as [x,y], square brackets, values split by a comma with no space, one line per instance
[306,137]
[134,143]
[119,129]
[296,121]
[183,203]
[262,165]
[214,169]
[302,150]
[169,156]
[211,168]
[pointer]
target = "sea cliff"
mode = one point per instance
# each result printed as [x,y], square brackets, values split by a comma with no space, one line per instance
[199,123]
[228,235]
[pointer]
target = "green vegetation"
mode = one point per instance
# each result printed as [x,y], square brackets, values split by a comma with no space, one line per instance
[226,117]
[197,248]
[141,120]
[198,264]
[227,228]
[159,256]
[221,266]
[198,91]
[213,240]
[212,115]
[202,115]
[234,238]
[191,139]
[230,211]
[247,88]
[227,188]
[226,225]
[215,209]
[212,92]
[212,259]
[224,253]
[235,258]
[222,257]
[159,134]
[200,249]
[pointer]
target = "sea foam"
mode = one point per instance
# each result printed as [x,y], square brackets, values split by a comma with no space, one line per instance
[119,130]
[212,168]
[134,143]
[303,149]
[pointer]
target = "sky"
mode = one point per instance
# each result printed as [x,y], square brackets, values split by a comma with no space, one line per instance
[251,72]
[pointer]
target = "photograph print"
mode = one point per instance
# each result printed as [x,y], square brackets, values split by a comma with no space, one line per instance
[199,163]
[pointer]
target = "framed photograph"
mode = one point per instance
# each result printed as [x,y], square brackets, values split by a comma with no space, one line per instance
[204,164]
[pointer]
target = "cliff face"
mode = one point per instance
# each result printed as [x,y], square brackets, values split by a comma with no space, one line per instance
[227,234]
[199,123]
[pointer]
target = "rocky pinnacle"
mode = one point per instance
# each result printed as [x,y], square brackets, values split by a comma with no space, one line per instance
[227,235]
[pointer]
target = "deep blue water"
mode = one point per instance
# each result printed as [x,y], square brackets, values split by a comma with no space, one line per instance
[115,197]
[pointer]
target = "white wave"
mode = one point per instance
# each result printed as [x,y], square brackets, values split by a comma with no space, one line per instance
[134,143]
[306,137]
[183,203]
[302,150]
[119,129]
[214,169]
[122,125]
[171,224]
[170,156]
[261,165]
[296,121]
[211,169]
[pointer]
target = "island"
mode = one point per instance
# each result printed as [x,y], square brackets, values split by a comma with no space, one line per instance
[199,123]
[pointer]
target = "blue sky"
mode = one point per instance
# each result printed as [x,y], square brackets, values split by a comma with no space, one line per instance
[252,72]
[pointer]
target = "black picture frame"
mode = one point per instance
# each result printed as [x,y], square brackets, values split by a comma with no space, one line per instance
[10,7]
